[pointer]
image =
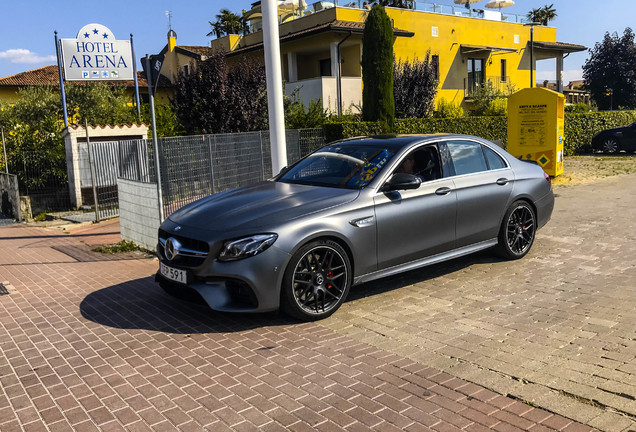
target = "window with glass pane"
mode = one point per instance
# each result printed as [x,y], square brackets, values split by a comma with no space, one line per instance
[503,70]
[467,157]
[494,160]
[475,73]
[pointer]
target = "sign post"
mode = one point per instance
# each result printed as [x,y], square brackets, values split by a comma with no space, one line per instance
[155,141]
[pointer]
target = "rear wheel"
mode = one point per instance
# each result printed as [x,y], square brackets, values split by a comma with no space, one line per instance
[316,281]
[610,145]
[517,232]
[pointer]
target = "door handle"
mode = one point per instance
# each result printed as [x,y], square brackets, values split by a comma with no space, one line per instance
[502,181]
[443,191]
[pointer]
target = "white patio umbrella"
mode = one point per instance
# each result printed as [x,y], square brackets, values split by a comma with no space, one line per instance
[498,4]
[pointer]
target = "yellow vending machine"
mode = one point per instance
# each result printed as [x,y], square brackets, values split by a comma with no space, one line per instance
[535,127]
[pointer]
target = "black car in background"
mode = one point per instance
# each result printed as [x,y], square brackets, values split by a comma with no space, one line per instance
[612,141]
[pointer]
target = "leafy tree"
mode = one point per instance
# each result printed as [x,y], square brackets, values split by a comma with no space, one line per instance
[610,72]
[99,103]
[414,88]
[226,22]
[542,15]
[32,128]
[378,103]
[214,100]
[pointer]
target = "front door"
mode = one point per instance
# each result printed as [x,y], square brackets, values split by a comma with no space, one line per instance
[413,224]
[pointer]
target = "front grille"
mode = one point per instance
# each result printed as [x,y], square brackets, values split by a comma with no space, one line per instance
[186,242]
[187,260]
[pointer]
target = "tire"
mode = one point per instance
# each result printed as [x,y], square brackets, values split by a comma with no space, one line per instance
[316,281]
[610,145]
[517,231]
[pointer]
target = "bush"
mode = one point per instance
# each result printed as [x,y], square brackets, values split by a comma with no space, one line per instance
[446,109]
[493,128]
[578,108]
[580,128]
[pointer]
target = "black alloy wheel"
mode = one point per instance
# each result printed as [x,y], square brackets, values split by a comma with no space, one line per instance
[517,232]
[316,281]
[610,145]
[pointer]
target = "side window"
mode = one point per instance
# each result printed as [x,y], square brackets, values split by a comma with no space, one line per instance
[423,162]
[494,160]
[467,157]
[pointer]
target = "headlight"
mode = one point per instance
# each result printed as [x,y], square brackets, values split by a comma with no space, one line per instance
[246,247]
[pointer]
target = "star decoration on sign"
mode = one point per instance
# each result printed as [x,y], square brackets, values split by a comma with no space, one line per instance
[86,35]
[105,35]
[95,31]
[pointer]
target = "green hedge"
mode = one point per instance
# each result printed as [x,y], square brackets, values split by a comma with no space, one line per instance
[579,128]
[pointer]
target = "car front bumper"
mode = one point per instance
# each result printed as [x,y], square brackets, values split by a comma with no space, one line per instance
[247,285]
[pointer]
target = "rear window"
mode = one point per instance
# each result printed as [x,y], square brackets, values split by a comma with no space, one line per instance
[467,157]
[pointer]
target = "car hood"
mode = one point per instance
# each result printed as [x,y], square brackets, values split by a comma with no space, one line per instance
[260,205]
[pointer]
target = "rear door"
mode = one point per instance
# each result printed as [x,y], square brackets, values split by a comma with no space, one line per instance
[483,183]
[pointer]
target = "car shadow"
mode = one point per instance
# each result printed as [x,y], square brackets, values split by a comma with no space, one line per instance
[141,304]
[421,275]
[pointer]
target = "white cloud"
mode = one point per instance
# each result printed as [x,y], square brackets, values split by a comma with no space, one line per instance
[25,56]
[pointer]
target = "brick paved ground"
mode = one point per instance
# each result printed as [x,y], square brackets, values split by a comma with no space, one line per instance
[557,328]
[89,344]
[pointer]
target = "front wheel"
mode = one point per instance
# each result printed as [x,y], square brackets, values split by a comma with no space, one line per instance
[316,281]
[517,231]
[610,146]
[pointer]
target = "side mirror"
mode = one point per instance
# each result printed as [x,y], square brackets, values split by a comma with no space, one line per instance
[401,181]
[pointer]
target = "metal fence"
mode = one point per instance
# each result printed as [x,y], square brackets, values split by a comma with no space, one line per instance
[195,166]
[104,159]
[43,179]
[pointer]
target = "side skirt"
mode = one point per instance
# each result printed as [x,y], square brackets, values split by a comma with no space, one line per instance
[456,253]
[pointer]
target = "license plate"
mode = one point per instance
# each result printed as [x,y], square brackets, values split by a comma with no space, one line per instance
[173,274]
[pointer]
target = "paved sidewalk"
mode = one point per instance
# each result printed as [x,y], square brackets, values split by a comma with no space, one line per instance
[91,344]
[557,328]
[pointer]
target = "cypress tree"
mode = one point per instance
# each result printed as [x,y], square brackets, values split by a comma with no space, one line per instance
[377,68]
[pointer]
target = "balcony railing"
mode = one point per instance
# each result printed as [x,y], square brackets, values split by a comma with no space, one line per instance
[496,82]
[459,11]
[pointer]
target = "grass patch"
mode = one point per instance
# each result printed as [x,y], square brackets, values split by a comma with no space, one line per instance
[121,247]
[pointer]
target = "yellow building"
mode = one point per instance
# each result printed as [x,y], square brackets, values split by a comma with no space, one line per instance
[469,47]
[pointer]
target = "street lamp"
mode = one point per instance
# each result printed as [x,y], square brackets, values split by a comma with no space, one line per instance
[531,24]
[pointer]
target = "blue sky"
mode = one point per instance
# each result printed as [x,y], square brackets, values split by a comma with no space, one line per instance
[26,34]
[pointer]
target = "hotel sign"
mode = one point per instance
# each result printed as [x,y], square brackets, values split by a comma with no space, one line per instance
[95,55]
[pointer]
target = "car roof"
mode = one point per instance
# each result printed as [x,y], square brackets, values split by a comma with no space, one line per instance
[396,142]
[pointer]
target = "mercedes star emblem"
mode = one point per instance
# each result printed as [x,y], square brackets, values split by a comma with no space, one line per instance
[171,249]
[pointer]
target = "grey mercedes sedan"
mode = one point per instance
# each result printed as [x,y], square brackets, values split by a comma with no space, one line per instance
[351,212]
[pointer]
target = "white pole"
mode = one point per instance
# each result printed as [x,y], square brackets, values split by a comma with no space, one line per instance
[271,46]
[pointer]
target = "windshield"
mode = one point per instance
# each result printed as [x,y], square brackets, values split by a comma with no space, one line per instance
[343,166]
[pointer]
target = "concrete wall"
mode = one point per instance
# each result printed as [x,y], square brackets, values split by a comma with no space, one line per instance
[9,196]
[138,212]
